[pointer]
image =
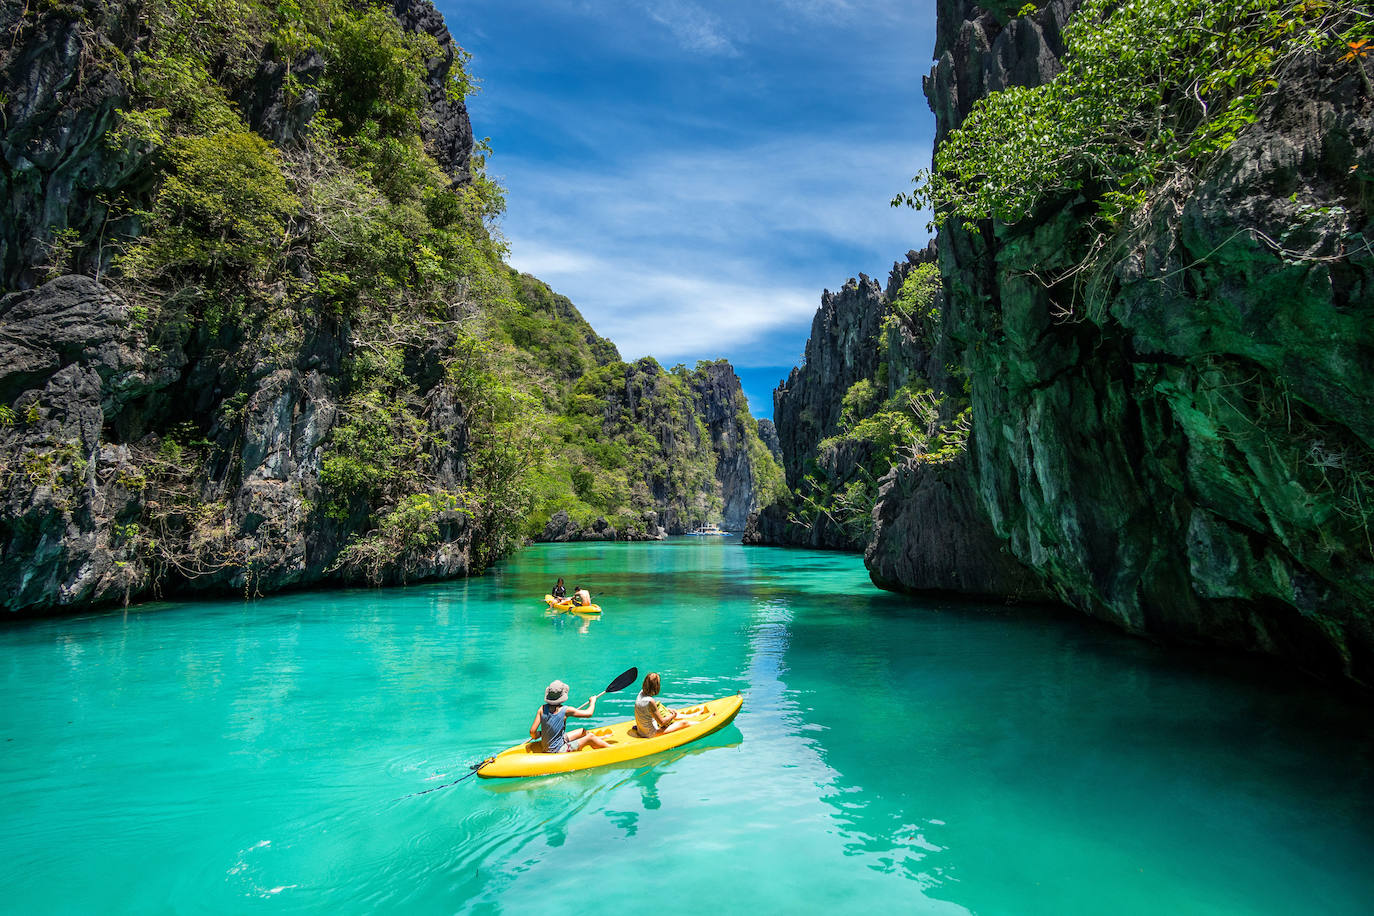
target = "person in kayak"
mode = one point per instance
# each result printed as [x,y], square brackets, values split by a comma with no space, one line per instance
[560,590]
[651,718]
[551,719]
[581,597]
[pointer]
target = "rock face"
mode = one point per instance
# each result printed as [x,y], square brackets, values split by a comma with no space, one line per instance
[57,110]
[721,404]
[930,536]
[98,450]
[250,428]
[842,349]
[856,336]
[768,433]
[1190,455]
[447,129]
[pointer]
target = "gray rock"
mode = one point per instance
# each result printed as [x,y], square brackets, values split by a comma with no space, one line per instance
[124,421]
[930,536]
[769,434]
[721,404]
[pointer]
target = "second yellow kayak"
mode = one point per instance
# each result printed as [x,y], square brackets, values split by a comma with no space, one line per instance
[527,760]
[566,604]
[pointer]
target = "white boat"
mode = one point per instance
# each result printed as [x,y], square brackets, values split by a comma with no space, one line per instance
[708,531]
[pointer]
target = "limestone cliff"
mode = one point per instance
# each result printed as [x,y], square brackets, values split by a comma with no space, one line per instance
[742,459]
[863,340]
[1189,453]
[255,331]
[138,449]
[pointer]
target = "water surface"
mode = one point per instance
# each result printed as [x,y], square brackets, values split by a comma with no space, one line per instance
[891,754]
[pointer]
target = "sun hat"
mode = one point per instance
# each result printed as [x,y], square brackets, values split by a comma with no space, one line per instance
[557,692]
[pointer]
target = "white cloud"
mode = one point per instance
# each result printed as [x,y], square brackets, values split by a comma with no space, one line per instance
[695,28]
[712,251]
[768,200]
[670,316]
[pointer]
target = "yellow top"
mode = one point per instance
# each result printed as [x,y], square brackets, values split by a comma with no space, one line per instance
[528,760]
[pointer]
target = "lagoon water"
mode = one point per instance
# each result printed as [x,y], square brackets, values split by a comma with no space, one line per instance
[892,755]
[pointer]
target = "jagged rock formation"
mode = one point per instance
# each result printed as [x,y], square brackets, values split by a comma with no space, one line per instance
[768,434]
[721,404]
[857,335]
[446,128]
[842,349]
[99,400]
[1190,454]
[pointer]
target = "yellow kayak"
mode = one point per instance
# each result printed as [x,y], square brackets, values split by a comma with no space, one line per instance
[527,760]
[566,604]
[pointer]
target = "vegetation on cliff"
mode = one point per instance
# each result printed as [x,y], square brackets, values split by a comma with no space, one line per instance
[1155,240]
[318,363]
[1149,89]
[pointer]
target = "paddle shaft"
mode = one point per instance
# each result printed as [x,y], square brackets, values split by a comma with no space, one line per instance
[623,680]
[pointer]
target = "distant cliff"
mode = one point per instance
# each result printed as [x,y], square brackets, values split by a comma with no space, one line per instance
[654,452]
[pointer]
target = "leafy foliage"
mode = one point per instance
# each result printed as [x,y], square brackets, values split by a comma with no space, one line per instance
[917,301]
[221,211]
[1148,88]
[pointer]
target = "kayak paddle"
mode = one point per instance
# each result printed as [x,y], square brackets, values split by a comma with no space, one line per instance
[625,679]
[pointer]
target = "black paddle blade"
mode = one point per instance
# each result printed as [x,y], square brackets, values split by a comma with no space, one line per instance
[625,680]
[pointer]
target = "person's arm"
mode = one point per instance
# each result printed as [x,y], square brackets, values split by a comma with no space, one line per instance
[579,713]
[534,729]
[662,720]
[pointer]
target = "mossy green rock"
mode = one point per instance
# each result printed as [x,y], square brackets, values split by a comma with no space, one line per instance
[1180,440]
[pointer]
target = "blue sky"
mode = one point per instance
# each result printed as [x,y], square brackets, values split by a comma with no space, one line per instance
[692,173]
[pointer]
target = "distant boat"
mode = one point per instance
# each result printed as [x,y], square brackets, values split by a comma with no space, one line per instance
[708,531]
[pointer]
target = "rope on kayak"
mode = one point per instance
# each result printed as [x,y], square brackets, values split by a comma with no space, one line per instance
[473,768]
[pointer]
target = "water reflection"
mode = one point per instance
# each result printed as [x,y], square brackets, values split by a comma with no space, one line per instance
[573,620]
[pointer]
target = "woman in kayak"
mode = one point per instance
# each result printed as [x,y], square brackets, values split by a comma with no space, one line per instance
[560,590]
[651,718]
[551,718]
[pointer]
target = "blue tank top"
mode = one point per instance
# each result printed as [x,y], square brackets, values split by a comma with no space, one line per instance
[552,719]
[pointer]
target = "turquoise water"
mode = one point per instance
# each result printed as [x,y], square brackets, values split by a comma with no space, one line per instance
[254,757]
